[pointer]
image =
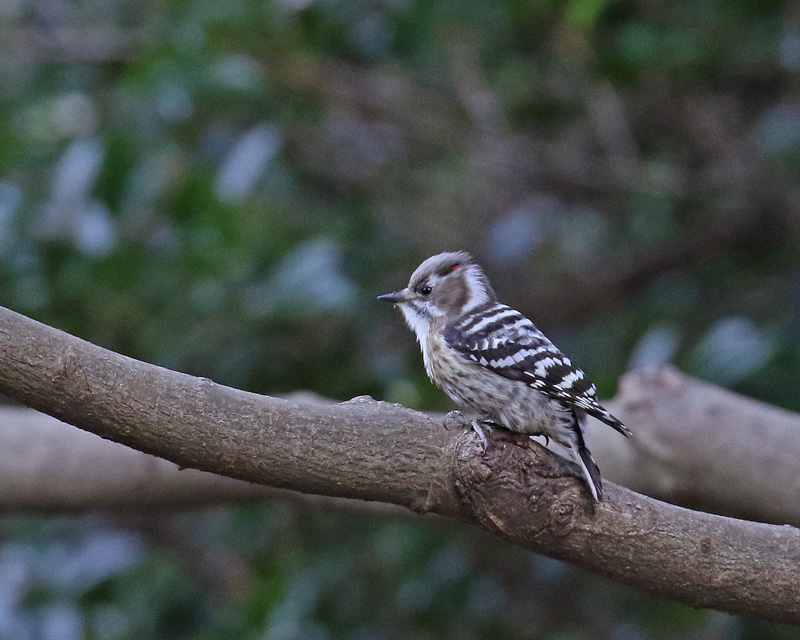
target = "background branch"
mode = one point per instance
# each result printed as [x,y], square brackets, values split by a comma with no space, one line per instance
[699,444]
[359,450]
[47,466]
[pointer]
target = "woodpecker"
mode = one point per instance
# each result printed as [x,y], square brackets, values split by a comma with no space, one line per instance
[491,359]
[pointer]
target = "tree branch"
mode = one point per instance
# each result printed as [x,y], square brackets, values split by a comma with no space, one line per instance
[377,451]
[699,444]
[46,466]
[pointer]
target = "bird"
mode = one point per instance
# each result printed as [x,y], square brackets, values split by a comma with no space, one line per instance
[492,360]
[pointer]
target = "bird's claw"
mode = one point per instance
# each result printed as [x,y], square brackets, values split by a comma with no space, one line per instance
[457,417]
[481,427]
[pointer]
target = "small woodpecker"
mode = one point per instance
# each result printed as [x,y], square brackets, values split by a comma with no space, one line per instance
[490,358]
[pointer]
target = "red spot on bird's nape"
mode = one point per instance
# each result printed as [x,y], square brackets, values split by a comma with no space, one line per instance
[454,267]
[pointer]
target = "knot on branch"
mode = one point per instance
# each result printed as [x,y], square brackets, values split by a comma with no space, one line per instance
[66,371]
[519,488]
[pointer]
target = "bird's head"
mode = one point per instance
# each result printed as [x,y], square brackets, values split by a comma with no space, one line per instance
[445,285]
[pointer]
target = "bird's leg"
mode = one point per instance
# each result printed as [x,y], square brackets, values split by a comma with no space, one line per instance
[483,425]
[457,417]
[480,425]
[477,427]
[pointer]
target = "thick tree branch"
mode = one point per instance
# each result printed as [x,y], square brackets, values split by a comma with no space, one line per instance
[47,466]
[695,444]
[377,451]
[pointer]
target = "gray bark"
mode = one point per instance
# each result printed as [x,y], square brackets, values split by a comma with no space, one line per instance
[695,444]
[48,466]
[698,444]
[383,452]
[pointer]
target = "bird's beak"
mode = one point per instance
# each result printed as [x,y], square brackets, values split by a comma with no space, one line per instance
[396,296]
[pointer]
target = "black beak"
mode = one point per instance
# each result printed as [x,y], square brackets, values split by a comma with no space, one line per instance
[395,296]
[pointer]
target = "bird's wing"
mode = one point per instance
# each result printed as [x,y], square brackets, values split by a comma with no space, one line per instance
[509,344]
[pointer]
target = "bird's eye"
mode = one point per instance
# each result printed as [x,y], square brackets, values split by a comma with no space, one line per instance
[426,290]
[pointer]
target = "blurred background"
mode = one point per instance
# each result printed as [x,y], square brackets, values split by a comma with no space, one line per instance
[223,186]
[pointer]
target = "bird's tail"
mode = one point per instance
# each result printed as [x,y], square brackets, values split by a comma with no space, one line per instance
[581,454]
[590,471]
[575,449]
[601,414]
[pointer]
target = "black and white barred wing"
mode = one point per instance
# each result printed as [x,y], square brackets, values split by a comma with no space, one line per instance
[503,340]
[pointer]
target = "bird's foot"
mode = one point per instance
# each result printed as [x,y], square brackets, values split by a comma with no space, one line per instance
[482,427]
[456,417]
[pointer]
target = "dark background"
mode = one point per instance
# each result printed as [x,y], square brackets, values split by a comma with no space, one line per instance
[223,186]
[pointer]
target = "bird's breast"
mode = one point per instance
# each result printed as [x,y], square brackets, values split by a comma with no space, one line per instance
[431,354]
[448,370]
[436,356]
